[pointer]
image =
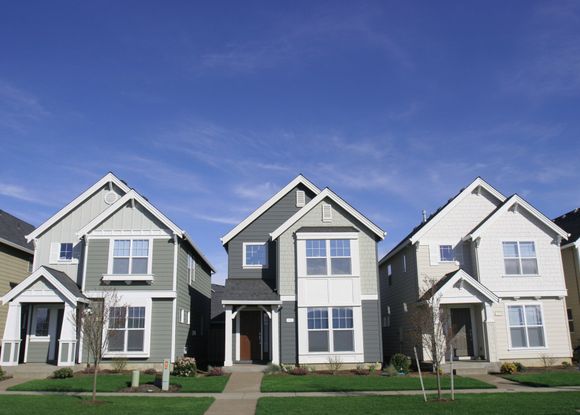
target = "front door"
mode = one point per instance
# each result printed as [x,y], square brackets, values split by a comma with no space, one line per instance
[461,332]
[250,335]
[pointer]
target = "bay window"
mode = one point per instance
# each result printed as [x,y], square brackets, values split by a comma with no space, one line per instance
[526,326]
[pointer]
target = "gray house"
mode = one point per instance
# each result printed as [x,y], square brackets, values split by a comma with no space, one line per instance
[110,238]
[302,284]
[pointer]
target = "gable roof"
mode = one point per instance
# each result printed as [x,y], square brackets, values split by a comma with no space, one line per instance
[443,210]
[107,178]
[327,193]
[570,222]
[13,232]
[300,179]
[453,277]
[61,281]
[515,201]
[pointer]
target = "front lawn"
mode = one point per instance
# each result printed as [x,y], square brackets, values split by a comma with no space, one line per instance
[114,383]
[344,383]
[57,405]
[473,404]
[547,379]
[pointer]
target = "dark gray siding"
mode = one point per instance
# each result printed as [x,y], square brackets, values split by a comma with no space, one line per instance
[288,338]
[259,231]
[371,331]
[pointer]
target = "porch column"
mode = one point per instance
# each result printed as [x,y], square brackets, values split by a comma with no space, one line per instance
[67,340]
[275,345]
[11,339]
[489,329]
[228,337]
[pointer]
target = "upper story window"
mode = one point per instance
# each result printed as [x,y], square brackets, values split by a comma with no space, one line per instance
[446,253]
[318,262]
[66,251]
[526,326]
[131,256]
[62,252]
[190,268]
[255,255]
[520,258]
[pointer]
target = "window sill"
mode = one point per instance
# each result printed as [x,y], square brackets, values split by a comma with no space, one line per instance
[530,349]
[255,267]
[65,261]
[127,278]
[43,339]
[521,276]
[332,276]
[110,355]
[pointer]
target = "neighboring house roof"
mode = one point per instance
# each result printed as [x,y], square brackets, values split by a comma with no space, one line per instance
[459,276]
[248,290]
[517,202]
[217,309]
[570,222]
[327,193]
[13,232]
[108,178]
[300,179]
[436,216]
[61,281]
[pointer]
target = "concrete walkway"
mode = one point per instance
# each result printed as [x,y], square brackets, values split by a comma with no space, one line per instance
[240,396]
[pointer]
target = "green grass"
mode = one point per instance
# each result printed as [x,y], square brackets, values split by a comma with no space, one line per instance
[547,379]
[58,405]
[338,383]
[113,383]
[472,404]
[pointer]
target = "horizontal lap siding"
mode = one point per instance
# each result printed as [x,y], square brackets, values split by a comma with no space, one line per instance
[371,331]
[37,352]
[97,263]
[288,340]
[161,322]
[572,274]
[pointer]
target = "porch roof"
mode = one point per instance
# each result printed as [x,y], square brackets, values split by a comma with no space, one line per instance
[455,278]
[249,291]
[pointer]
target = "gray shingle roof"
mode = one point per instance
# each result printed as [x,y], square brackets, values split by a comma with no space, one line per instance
[570,222]
[217,309]
[66,281]
[14,230]
[249,290]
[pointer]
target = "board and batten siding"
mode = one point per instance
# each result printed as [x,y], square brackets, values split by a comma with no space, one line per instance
[133,217]
[162,266]
[14,266]
[259,231]
[571,262]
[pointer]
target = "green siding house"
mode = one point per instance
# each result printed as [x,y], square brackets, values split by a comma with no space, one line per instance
[110,239]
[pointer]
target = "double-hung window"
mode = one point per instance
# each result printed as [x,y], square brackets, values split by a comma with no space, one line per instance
[190,268]
[255,255]
[342,329]
[319,262]
[318,330]
[526,326]
[520,258]
[66,252]
[338,337]
[445,253]
[131,256]
[126,332]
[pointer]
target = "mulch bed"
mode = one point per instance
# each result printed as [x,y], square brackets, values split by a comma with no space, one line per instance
[150,388]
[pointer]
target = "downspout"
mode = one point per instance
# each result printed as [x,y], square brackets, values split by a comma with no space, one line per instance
[174,313]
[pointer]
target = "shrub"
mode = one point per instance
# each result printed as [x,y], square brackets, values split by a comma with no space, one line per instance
[401,362]
[272,369]
[2,374]
[286,368]
[361,370]
[508,368]
[373,367]
[299,371]
[185,367]
[150,371]
[334,364]
[390,371]
[576,355]
[63,373]
[519,367]
[119,364]
[547,360]
[566,364]
[215,371]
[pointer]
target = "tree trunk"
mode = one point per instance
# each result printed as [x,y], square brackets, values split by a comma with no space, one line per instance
[437,371]
[95,381]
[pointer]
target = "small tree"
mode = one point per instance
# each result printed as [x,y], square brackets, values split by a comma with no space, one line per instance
[430,327]
[94,322]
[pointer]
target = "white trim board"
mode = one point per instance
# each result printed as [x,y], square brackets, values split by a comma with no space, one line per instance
[300,179]
[108,178]
[327,193]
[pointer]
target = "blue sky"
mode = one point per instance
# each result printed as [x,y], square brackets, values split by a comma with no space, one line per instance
[208,109]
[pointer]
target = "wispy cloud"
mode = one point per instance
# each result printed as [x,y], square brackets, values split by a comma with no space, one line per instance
[18,108]
[255,191]
[19,192]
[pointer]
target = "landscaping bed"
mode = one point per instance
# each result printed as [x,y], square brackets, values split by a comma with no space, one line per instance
[473,404]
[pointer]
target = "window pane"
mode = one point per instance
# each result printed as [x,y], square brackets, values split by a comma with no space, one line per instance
[341,266]
[117,317]
[140,248]
[512,266]
[343,340]
[518,337]
[516,315]
[316,266]
[66,251]
[315,248]
[318,341]
[139,266]
[120,265]
[446,252]
[42,319]
[529,266]
[339,247]
[317,318]
[510,249]
[527,250]
[533,315]
[255,254]
[536,335]
[342,318]
[116,340]
[135,340]
[136,318]
[121,248]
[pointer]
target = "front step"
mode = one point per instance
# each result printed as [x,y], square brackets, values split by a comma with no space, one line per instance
[465,368]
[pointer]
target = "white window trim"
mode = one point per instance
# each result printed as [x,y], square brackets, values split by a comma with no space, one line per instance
[188,318]
[301,239]
[519,240]
[328,258]
[191,270]
[326,208]
[404,262]
[134,301]
[182,315]
[128,277]
[446,261]
[54,254]
[330,330]
[32,337]
[507,321]
[250,266]
[389,270]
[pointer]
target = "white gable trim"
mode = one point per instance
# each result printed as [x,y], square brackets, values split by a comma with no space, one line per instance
[131,195]
[517,201]
[16,246]
[327,193]
[268,204]
[461,275]
[108,178]
[28,281]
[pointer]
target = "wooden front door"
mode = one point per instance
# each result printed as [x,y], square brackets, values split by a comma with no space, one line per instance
[461,333]
[250,333]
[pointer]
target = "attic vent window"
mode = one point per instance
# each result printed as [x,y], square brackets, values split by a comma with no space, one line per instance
[326,213]
[300,198]
[111,197]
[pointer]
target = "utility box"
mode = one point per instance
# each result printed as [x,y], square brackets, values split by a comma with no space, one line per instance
[135,379]
[165,378]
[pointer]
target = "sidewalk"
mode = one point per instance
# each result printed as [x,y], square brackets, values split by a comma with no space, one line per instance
[240,396]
